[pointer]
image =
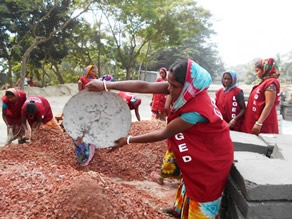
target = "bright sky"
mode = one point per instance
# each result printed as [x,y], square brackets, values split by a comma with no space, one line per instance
[248,29]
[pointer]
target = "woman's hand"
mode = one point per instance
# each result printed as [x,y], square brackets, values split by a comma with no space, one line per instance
[232,123]
[256,129]
[119,143]
[95,85]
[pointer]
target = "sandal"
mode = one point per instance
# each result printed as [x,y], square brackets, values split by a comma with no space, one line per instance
[90,151]
[22,141]
[170,211]
[156,178]
[84,152]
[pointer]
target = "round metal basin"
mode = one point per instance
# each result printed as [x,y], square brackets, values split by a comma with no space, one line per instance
[99,117]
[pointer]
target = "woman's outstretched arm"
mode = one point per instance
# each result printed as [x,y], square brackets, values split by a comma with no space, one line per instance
[129,86]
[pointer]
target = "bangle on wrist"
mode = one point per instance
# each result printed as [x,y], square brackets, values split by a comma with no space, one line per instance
[259,124]
[104,84]
[128,139]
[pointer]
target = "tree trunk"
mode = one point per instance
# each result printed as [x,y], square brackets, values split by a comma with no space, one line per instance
[128,73]
[57,72]
[146,64]
[139,71]
[43,75]
[99,52]
[9,74]
[23,63]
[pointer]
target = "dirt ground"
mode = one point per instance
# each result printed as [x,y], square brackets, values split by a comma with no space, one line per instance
[43,180]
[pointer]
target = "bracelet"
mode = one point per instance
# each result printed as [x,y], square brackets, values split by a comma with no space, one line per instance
[104,84]
[259,124]
[128,139]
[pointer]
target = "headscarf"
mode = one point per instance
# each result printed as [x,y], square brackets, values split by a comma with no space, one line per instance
[197,79]
[14,91]
[233,76]
[164,70]
[270,68]
[88,69]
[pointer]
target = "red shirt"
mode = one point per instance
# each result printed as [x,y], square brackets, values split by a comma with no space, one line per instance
[229,106]
[204,152]
[13,112]
[255,106]
[158,101]
[128,97]
[44,111]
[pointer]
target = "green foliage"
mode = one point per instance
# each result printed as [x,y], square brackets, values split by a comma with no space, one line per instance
[194,48]
[120,36]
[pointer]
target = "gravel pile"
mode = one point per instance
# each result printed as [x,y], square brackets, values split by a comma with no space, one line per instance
[43,180]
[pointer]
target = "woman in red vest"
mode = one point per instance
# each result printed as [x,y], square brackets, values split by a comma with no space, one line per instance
[132,101]
[89,74]
[11,111]
[261,114]
[158,100]
[37,110]
[230,101]
[198,136]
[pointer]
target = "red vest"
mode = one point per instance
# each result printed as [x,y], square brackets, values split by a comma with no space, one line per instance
[204,152]
[228,105]
[255,106]
[13,112]
[44,111]
[158,102]
[84,81]
[127,96]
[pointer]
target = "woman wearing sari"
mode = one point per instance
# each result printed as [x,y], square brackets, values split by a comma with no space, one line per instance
[261,114]
[11,112]
[230,101]
[158,100]
[198,137]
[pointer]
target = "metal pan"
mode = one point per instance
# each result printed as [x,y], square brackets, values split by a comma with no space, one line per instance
[100,117]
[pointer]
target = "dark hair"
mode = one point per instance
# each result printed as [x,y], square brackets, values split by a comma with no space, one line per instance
[259,65]
[30,107]
[9,93]
[179,70]
[227,72]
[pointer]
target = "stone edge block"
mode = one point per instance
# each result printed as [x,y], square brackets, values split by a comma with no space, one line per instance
[255,192]
[260,209]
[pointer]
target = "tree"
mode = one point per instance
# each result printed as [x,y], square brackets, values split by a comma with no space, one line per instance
[12,21]
[194,48]
[135,24]
[56,28]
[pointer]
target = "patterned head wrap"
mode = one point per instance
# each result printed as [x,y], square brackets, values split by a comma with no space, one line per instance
[87,70]
[197,79]
[270,68]
[233,76]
